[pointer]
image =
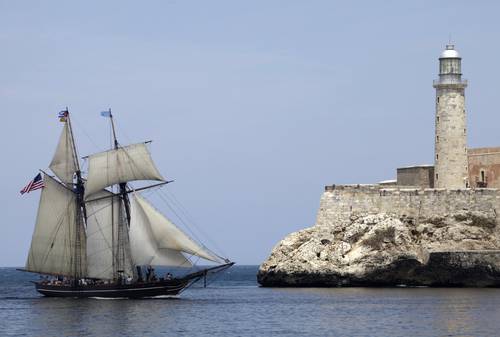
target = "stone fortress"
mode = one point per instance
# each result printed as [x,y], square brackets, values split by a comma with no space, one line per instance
[432,226]
[460,178]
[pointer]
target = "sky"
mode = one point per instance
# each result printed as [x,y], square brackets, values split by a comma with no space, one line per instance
[253,106]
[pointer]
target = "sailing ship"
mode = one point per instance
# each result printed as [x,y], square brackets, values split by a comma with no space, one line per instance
[95,235]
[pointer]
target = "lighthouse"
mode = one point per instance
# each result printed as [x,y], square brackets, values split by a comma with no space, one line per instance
[450,159]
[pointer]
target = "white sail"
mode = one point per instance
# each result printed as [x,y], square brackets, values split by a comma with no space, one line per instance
[53,242]
[128,163]
[144,246]
[168,236]
[102,220]
[64,163]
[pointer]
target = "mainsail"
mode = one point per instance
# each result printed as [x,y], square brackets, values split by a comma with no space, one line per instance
[121,165]
[102,221]
[152,231]
[52,248]
[64,163]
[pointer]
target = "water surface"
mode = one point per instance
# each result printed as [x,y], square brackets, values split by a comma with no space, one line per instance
[234,305]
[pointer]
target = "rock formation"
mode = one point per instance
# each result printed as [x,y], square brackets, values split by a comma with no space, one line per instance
[384,249]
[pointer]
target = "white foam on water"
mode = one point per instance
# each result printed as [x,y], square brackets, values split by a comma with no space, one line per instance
[108,298]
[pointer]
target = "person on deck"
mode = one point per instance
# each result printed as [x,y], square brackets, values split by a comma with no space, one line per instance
[149,272]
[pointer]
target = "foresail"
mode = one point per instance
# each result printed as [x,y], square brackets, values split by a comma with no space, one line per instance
[128,163]
[102,219]
[53,243]
[169,236]
[64,163]
[144,246]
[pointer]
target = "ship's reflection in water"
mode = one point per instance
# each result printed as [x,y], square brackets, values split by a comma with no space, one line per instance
[106,317]
[235,306]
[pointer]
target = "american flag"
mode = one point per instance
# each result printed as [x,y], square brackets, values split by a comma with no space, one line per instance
[35,184]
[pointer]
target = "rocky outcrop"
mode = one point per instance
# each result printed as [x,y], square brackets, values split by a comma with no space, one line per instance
[456,249]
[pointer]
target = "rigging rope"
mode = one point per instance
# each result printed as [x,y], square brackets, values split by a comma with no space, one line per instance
[217,274]
[80,127]
[169,195]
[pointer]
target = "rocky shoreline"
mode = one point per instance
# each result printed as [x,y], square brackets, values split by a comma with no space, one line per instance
[460,249]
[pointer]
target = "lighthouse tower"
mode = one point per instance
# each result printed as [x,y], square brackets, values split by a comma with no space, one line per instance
[450,161]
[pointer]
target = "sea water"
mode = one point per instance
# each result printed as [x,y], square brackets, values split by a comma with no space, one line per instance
[234,305]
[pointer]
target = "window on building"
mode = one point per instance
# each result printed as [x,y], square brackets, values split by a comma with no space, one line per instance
[482,176]
[437,119]
[437,157]
[437,176]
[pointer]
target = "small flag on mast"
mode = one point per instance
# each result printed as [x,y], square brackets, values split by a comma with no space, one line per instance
[63,115]
[106,113]
[35,184]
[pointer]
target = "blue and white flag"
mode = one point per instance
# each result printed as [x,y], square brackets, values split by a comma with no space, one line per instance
[106,113]
[63,115]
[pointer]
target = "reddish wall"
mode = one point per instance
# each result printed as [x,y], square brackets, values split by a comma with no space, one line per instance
[486,159]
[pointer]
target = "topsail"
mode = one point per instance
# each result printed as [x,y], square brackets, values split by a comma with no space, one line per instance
[64,164]
[128,163]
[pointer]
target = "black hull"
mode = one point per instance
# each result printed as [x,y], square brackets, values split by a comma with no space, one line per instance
[137,290]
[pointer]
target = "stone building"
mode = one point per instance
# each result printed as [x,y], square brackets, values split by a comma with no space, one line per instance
[455,166]
[418,176]
[450,160]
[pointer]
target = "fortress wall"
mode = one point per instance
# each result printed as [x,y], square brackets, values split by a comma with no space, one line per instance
[339,202]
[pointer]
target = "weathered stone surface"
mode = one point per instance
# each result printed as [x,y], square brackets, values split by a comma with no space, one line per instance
[450,166]
[460,248]
[339,203]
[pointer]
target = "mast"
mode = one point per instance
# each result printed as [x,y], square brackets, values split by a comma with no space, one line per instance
[122,230]
[123,186]
[81,213]
[79,181]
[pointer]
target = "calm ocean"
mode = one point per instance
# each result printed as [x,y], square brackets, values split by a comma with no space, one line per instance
[233,305]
